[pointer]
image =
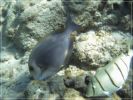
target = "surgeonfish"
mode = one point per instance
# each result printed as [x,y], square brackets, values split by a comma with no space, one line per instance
[49,56]
[110,78]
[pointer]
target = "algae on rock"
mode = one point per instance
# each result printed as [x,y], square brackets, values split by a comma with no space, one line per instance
[96,49]
[104,32]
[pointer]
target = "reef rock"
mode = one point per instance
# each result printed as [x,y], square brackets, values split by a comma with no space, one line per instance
[71,94]
[27,24]
[95,49]
[75,78]
[37,90]
[105,29]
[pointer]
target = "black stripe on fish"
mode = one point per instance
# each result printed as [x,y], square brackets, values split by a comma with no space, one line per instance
[124,63]
[100,83]
[93,88]
[111,79]
[120,70]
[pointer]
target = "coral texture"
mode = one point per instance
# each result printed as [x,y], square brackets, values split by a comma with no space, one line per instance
[105,28]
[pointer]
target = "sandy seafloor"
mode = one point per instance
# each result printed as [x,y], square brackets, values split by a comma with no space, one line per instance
[105,29]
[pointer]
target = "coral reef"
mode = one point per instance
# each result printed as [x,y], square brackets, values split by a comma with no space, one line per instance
[27,24]
[36,90]
[96,49]
[105,30]
[72,94]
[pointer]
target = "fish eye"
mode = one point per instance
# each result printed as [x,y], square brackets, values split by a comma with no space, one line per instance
[87,80]
[31,68]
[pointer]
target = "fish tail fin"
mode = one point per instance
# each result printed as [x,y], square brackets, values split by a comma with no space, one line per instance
[70,22]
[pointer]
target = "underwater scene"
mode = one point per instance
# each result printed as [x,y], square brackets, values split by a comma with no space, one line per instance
[66,49]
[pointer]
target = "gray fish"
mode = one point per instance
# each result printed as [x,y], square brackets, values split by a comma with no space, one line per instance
[48,57]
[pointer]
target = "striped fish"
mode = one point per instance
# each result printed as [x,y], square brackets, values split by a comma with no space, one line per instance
[110,78]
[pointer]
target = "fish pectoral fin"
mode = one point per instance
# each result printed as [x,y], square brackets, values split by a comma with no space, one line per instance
[107,93]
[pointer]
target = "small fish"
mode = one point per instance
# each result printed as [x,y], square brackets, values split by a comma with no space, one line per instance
[48,57]
[110,78]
